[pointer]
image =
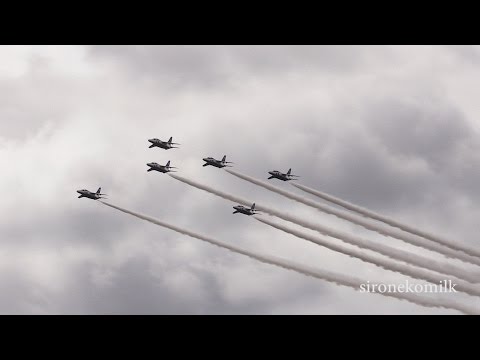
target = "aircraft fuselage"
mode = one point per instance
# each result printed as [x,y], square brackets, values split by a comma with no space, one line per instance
[275,174]
[88,194]
[243,210]
[157,167]
[279,175]
[214,162]
[161,144]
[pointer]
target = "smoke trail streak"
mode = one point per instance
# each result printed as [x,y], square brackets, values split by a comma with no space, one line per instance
[463,247]
[328,276]
[387,264]
[386,250]
[414,240]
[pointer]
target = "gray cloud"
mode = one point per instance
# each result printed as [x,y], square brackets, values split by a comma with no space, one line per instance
[368,124]
[207,67]
[137,291]
[469,54]
[20,295]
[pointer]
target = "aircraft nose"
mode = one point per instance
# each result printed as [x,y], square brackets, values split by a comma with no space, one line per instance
[204,159]
[150,140]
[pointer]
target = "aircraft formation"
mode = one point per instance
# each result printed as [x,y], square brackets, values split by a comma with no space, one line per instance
[410,264]
[209,161]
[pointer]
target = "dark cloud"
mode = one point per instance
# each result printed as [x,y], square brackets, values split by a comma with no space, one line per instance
[138,289]
[212,66]
[400,147]
[432,133]
[20,295]
[134,291]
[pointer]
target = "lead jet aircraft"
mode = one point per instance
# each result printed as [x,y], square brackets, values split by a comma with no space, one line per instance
[244,210]
[217,163]
[161,168]
[91,195]
[163,144]
[281,176]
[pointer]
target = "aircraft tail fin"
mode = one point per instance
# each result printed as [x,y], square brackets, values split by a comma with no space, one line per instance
[224,158]
[170,140]
[98,191]
[253,206]
[168,163]
[289,171]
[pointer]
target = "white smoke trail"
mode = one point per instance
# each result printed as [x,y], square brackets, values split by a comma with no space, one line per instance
[387,264]
[386,250]
[387,220]
[332,277]
[414,240]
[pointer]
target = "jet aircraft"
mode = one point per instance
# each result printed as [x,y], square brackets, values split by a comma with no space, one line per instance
[245,210]
[281,176]
[217,163]
[161,168]
[91,195]
[163,144]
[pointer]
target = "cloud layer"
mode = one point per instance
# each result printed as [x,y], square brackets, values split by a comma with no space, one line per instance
[394,129]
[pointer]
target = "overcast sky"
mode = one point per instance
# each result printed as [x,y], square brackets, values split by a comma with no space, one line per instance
[391,128]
